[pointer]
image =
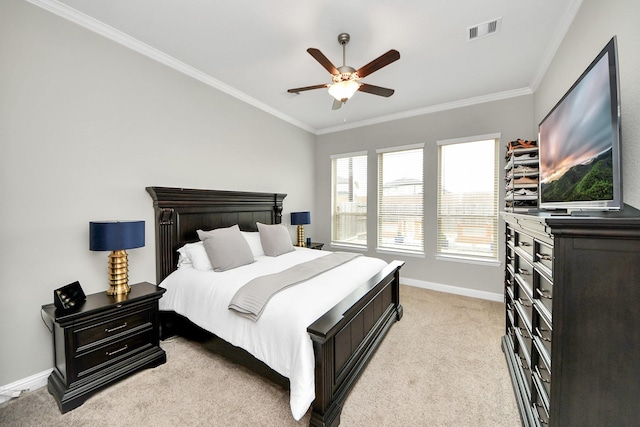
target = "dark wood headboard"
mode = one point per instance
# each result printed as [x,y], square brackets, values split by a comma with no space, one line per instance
[180,212]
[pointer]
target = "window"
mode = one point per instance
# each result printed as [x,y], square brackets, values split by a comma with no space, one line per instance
[349,199]
[468,198]
[401,199]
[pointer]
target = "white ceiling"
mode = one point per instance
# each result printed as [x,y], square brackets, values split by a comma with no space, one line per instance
[256,50]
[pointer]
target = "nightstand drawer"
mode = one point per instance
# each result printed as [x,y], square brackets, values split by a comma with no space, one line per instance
[103,340]
[113,352]
[112,327]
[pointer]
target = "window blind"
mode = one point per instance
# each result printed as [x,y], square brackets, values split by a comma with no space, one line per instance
[349,199]
[401,199]
[468,199]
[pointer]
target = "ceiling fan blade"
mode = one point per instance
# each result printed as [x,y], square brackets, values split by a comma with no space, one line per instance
[323,60]
[302,89]
[379,62]
[376,90]
[336,104]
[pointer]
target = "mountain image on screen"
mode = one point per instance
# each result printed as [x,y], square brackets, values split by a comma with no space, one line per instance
[592,180]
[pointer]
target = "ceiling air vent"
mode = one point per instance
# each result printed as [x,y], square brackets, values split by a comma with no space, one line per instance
[483,30]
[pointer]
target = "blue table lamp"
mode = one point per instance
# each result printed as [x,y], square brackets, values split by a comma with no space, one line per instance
[117,237]
[300,219]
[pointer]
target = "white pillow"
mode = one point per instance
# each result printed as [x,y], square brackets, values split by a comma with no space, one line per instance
[226,248]
[183,258]
[275,239]
[194,254]
[253,239]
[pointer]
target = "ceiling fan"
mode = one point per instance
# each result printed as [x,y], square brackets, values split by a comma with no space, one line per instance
[346,78]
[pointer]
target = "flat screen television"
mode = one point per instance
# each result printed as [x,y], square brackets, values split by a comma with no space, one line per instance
[579,142]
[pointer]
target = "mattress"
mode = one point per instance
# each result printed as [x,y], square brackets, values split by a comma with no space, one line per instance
[279,337]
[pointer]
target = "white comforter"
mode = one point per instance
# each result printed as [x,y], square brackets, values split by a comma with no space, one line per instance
[279,338]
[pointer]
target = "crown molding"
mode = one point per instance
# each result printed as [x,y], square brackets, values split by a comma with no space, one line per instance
[136,45]
[123,39]
[431,109]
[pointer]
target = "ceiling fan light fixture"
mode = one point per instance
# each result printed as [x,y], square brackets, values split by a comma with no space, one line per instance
[344,90]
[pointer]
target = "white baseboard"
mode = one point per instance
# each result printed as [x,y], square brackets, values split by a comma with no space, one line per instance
[473,293]
[34,382]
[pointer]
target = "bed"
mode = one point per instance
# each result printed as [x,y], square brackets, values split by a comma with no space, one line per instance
[341,339]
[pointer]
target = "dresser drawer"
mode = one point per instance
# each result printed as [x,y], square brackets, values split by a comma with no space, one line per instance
[511,259]
[524,305]
[544,258]
[524,370]
[542,373]
[111,327]
[540,404]
[544,294]
[524,346]
[542,333]
[524,273]
[511,236]
[524,245]
[112,352]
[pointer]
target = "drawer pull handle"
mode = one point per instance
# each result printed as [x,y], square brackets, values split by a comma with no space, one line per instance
[525,364]
[107,330]
[524,243]
[540,419]
[544,380]
[543,257]
[543,294]
[523,272]
[541,336]
[522,303]
[111,353]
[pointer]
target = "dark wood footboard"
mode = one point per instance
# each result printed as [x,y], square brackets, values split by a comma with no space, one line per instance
[347,336]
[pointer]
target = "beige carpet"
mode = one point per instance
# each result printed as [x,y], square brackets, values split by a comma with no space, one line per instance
[441,365]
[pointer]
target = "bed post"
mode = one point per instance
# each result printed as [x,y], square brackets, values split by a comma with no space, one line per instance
[277,208]
[164,232]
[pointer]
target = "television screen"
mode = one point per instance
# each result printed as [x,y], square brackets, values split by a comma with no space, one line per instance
[579,142]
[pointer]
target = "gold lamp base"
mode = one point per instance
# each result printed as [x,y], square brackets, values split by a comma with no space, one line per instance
[301,236]
[118,273]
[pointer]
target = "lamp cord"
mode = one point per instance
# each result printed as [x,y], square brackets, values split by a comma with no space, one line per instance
[45,322]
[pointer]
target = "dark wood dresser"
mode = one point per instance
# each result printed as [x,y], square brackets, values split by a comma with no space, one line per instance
[572,294]
[102,340]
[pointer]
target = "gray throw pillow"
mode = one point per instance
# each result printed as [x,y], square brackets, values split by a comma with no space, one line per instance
[275,239]
[226,248]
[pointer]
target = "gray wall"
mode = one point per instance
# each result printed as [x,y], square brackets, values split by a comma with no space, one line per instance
[85,125]
[511,117]
[594,25]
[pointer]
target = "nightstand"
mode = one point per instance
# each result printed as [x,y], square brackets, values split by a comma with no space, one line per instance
[103,340]
[316,245]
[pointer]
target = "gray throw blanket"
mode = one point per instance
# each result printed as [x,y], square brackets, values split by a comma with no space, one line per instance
[251,299]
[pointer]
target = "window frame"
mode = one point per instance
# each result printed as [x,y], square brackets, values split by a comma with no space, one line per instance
[341,243]
[477,258]
[381,248]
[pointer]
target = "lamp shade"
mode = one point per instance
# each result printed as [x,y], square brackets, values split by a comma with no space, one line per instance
[300,218]
[115,235]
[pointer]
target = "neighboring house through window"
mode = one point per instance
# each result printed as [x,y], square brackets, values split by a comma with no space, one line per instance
[401,199]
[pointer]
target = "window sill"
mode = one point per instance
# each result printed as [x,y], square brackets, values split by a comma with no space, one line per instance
[469,260]
[400,252]
[349,247]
